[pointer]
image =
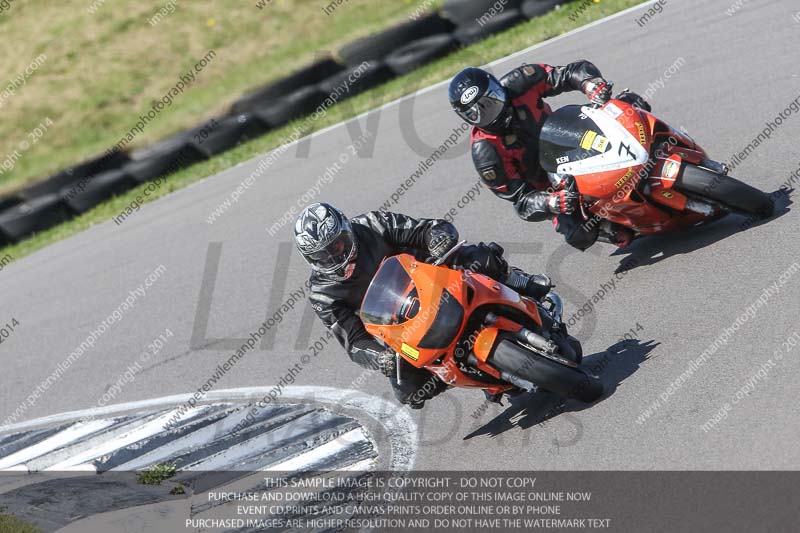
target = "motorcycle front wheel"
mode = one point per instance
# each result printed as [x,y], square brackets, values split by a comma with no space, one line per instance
[725,190]
[561,379]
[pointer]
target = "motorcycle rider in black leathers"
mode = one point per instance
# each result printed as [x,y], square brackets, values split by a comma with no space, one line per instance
[507,116]
[345,254]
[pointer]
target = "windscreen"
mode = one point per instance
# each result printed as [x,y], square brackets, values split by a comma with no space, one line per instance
[566,137]
[391,298]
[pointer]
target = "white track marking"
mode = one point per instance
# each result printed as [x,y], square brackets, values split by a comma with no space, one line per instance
[174,447]
[361,466]
[79,462]
[62,438]
[398,425]
[320,453]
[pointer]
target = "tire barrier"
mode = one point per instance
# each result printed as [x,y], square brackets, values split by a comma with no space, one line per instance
[371,75]
[32,216]
[419,52]
[282,110]
[469,12]
[536,8]
[7,202]
[381,44]
[163,158]
[221,134]
[395,51]
[98,190]
[304,77]
[75,174]
[477,32]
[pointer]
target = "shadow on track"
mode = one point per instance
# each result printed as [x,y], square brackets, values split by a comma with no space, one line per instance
[612,366]
[654,248]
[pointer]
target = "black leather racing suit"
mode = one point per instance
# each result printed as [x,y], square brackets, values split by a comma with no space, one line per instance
[379,235]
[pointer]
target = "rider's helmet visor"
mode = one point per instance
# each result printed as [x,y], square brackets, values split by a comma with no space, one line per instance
[487,108]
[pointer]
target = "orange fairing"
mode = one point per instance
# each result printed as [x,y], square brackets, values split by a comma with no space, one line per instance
[484,343]
[421,311]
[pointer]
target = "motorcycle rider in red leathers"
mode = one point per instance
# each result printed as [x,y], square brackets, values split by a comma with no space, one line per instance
[507,116]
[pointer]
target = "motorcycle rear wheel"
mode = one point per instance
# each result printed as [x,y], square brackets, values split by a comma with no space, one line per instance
[726,190]
[563,380]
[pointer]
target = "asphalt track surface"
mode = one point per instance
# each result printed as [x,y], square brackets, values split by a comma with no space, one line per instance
[739,72]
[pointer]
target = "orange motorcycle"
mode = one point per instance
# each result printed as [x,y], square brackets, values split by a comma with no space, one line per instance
[634,169]
[472,331]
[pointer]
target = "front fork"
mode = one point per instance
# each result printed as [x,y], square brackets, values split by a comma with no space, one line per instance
[671,160]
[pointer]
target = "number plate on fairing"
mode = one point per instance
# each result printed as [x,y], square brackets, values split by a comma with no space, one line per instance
[569,144]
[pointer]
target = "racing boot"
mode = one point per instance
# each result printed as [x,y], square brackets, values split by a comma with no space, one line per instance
[534,286]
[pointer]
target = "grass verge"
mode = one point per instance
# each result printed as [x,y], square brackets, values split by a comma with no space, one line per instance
[93,66]
[11,524]
[555,23]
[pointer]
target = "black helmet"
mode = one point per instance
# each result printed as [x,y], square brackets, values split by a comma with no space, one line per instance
[326,239]
[479,99]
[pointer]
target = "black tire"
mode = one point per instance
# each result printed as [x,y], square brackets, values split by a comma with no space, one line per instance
[563,380]
[379,45]
[99,189]
[537,8]
[372,74]
[477,32]
[417,53]
[76,173]
[162,158]
[221,134]
[304,77]
[300,103]
[37,214]
[7,202]
[726,190]
[468,12]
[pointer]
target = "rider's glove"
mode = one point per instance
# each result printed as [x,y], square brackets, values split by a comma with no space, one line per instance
[386,362]
[441,239]
[562,202]
[597,90]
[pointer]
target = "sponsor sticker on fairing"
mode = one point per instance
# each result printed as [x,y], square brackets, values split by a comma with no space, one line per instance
[600,143]
[410,351]
[588,139]
[613,110]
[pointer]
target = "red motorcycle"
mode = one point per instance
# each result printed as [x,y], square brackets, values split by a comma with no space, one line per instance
[634,169]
